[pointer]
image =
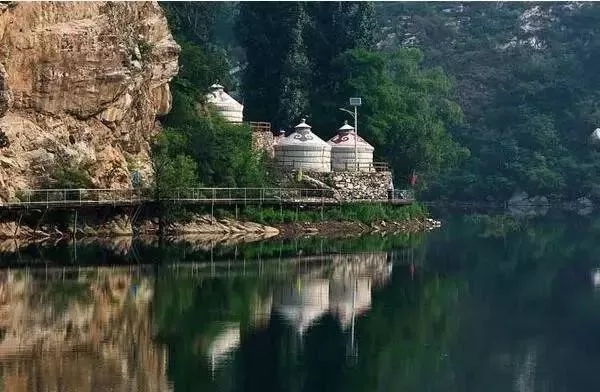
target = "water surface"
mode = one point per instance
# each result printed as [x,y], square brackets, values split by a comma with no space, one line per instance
[484,304]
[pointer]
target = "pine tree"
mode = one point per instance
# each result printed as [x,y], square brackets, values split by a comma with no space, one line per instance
[335,28]
[274,84]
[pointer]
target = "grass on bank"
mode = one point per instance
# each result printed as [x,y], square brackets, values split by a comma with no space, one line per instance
[364,213]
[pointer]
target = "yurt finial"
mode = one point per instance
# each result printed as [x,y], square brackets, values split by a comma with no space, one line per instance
[346,127]
[303,124]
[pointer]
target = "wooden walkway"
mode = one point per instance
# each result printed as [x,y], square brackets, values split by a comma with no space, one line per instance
[76,198]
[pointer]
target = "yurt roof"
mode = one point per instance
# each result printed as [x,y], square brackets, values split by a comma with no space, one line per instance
[345,139]
[221,99]
[303,136]
[596,134]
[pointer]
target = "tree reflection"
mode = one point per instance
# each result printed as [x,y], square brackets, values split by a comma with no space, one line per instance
[490,303]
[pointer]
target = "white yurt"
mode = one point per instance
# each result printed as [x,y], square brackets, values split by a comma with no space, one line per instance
[304,150]
[229,108]
[343,149]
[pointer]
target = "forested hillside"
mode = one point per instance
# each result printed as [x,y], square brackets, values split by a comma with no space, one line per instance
[527,81]
[482,100]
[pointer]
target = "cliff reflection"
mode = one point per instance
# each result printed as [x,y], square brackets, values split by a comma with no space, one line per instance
[85,334]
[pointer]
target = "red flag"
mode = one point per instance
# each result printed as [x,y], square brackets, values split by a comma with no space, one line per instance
[413,180]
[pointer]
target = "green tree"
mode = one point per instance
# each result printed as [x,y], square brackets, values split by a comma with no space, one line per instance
[221,152]
[274,83]
[406,109]
[172,168]
[334,28]
[524,79]
[67,174]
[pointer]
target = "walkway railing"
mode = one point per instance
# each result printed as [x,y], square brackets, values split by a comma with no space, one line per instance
[247,195]
[338,167]
[81,197]
[260,126]
[362,166]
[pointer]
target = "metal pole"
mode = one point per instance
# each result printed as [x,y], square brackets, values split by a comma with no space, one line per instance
[355,136]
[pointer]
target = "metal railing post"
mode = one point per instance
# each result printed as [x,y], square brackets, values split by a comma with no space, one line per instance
[212,205]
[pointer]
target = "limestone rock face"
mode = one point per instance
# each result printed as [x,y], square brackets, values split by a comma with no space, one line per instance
[83,82]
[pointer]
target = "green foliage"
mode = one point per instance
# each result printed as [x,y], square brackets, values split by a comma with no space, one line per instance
[145,48]
[406,108]
[221,152]
[335,28]
[172,168]
[66,175]
[529,94]
[405,111]
[200,67]
[275,79]
[365,213]
[193,20]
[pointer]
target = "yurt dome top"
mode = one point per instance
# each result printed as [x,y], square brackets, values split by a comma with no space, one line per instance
[345,139]
[303,136]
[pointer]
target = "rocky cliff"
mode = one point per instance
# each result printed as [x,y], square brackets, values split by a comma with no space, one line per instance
[81,83]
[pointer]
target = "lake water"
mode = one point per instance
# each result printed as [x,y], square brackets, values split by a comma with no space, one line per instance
[483,304]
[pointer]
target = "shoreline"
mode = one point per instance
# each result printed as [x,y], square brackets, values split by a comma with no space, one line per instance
[342,229]
[207,225]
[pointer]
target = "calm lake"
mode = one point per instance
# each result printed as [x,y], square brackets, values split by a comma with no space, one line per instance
[486,303]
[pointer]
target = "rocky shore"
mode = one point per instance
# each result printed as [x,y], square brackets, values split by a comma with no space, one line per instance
[122,225]
[352,228]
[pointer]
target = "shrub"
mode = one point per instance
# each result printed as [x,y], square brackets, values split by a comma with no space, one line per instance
[4,142]
[68,175]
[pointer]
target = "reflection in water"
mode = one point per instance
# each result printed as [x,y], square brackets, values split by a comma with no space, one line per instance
[302,305]
[487,303]
[129,328]
[78,335]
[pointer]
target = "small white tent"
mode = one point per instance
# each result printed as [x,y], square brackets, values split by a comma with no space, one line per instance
[229,108]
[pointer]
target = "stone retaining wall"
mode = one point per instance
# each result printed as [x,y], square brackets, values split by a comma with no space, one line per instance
[349,185]
[357,185]
[263,141]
